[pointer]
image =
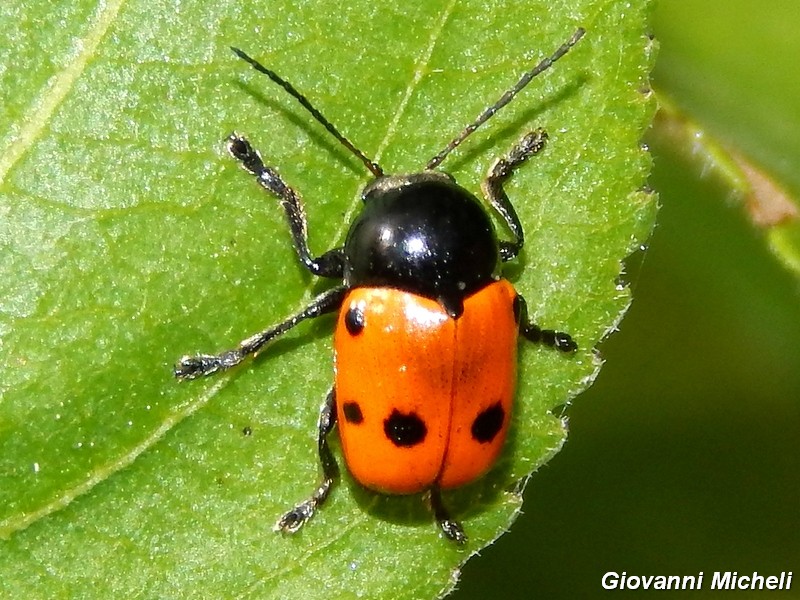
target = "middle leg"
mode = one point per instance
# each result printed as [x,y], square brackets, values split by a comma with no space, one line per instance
[492,186]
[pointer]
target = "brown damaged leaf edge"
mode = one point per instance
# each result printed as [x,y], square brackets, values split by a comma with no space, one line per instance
[766,202]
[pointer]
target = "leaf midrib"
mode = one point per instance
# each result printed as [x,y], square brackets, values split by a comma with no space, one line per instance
[56,90]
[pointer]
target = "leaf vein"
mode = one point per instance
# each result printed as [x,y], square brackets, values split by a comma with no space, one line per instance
[56,90]
[419,71]
[100,474]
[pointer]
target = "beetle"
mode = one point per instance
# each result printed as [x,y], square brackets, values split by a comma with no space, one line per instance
[425,342]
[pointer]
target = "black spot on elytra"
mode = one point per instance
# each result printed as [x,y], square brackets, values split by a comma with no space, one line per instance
[488,424]
[352,413]
[404,430]
[354,320]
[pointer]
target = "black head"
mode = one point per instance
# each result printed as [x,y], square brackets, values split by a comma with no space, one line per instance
[422,232]
[425,234]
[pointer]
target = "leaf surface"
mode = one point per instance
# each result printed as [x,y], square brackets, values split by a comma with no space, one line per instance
[129,238]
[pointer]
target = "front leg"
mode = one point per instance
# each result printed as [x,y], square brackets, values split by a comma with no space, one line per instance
[532,143]
[330,264]
[192,367]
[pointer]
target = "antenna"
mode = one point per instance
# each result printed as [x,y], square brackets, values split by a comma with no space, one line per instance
[506,98]
[373,167]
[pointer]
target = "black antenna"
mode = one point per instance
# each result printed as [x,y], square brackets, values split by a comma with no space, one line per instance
[506,98]
[374,167]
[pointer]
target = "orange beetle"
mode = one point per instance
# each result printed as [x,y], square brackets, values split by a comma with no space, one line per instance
[426,335]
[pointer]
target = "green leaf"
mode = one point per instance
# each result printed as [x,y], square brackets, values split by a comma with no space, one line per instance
[129,238]
[730,108]
[768,204]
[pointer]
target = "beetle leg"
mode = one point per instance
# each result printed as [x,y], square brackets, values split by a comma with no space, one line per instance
[330,264]
[452,530]
[492,187]
[531,331]
[297,517]
[191,367]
